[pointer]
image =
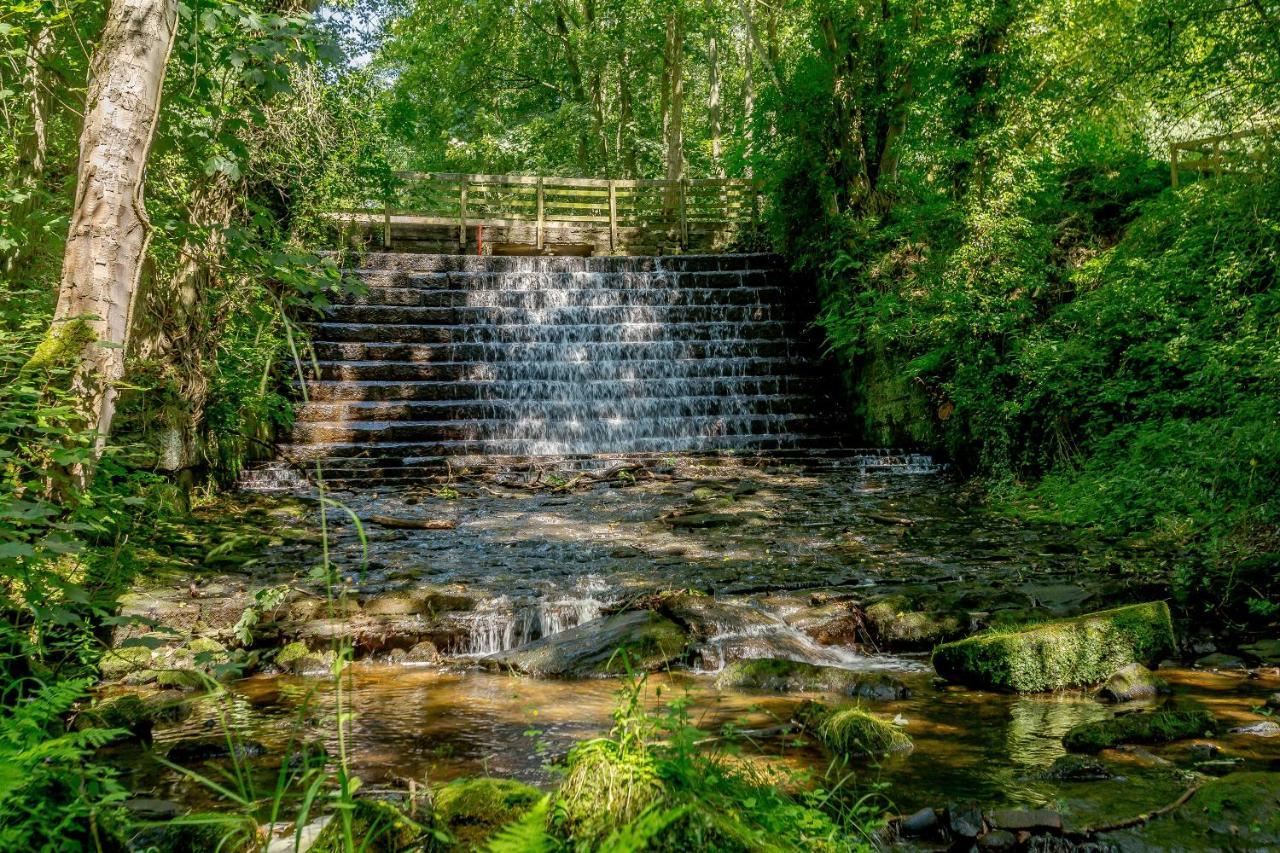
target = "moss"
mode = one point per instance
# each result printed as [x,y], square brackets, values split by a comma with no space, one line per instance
[297,658]
[62,346]
[606,786]
[1135,681]
[1159,727]
[376,827]
[117,663]
[183,679]
[474,809]
[290,653]
[1065,653]
[1237,812]
[897,624]
[851,731]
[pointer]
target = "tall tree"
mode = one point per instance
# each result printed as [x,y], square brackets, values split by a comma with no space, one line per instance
[109,230]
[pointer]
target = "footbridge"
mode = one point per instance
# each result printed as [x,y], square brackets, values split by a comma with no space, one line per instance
[530,214]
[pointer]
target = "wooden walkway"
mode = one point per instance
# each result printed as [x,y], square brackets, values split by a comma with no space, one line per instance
[527,214]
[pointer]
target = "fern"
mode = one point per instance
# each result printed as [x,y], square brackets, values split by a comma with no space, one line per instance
[527,834]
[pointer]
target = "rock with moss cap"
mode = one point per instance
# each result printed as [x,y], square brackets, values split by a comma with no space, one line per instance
[376,827]
[896,623]
[117,663]
[1155,728]
[472,810]
[851,730]
[1131,683]
[606,786]
[786,676]
[594,648]
[1060,654]
[297,658]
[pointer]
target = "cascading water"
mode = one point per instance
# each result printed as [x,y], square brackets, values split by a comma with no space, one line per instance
[448,356]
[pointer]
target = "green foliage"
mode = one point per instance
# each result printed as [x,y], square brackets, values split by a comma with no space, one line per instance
[1154,728]
[851,731]
[52,797]
[1055,655]
[471,810]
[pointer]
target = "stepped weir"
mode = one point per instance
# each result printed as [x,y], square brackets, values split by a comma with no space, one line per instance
[447,361]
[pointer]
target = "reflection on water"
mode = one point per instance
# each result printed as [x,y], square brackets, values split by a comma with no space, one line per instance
[428,724]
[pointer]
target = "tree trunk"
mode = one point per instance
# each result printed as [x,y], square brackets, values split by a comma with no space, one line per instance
[626,128]
[748,105]
[109,230]
[713,96]
[33,147]
[675,118]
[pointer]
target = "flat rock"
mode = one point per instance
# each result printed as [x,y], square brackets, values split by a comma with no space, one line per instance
[649,639]
[1028,820]
[1221,660]
[1262,728]
[1267,651]
[1077,768]
[787,676]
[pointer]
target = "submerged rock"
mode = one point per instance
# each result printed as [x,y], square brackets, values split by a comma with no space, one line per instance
[1220,660]
[1077,768]
[474,809]
[1240,811]
[1153,728]
[786,676]
[1060,654]
[210,748]
[649,640]
[851,730]
[1262,728]
[1266,651]
[1133,682]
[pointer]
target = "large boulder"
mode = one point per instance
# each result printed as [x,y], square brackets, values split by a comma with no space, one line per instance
[897,622]
[787,676]
[1155,728]
[649,640]
[1064,653]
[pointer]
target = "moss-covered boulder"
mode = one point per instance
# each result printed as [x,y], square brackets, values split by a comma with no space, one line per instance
[117,663]
[606,786]
[650,641]
[297,657]
[1132,683]
[1154,728]
[1240,811]
[897,623]
[376,827]
[851,730]
[472,810]
[1064,653]
[788,676]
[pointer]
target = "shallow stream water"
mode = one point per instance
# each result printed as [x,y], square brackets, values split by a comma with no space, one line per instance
[773,539]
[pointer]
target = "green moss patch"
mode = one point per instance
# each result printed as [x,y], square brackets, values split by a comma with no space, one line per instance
[1159,727]
[851,731]
[376,827]
[472,810]
[1237,812]
[1065,653]
[606,786]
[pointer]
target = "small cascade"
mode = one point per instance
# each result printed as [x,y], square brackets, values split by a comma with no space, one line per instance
[272,478]
[447,357]
[499,624]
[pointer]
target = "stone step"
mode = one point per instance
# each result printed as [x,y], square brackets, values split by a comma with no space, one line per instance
[411,453]
[553,410]
[602,389]
[548,352]
[603,263]
[558,371]
[533,333]
[512,318]
[483,281]
[584,296]
[548,432]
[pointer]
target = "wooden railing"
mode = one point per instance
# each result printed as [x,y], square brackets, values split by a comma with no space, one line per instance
[1224,154]
[463,200]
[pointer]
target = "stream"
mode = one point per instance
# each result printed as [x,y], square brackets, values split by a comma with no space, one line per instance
[783,556]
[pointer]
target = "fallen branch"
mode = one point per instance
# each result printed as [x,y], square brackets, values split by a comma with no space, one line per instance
[1137,820]
[413,523]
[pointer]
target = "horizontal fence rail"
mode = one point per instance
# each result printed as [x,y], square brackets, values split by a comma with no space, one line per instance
[1236,153]
[654,206]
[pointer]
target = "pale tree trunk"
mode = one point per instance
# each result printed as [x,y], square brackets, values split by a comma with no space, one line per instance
[748,105]
[713,95]
[109,231]
[675,105]
[626,130]
[33,147]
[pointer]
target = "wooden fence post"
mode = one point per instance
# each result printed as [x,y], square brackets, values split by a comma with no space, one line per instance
[684,214]
[542,200]
[613,217]
[386,224]
[462,214]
